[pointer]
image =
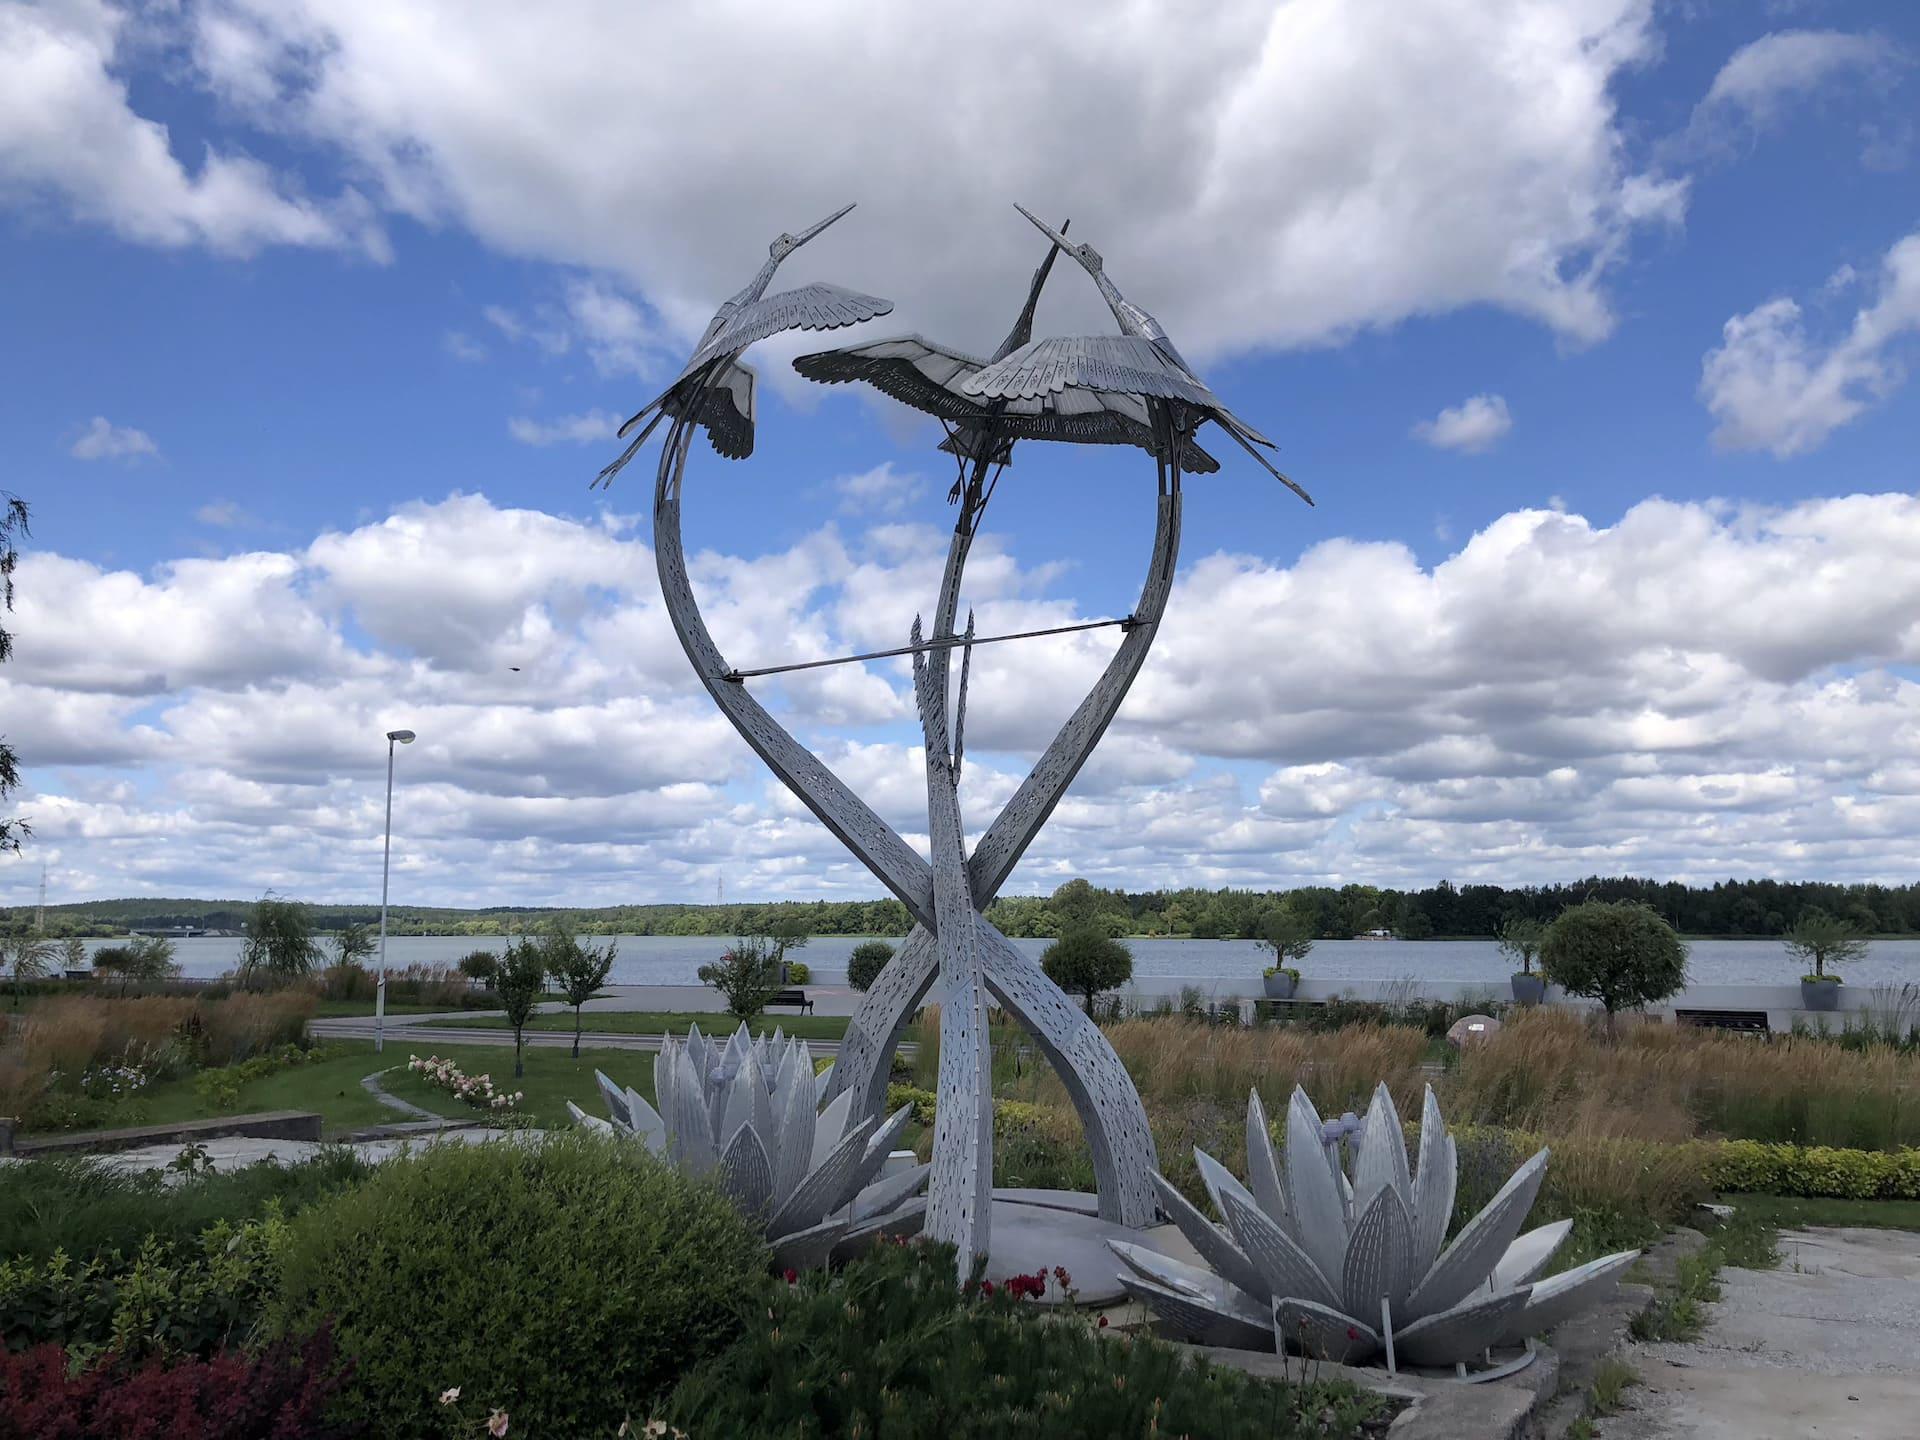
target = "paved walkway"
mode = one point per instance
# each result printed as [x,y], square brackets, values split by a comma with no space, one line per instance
[1826,1347]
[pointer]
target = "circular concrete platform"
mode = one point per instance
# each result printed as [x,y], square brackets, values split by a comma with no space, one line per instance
[1035,1230]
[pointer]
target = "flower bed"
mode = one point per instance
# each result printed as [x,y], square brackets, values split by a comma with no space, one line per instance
[477,1090]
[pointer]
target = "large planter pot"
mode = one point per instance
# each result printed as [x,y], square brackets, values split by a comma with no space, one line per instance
[1820,994]
[1279,987]
[1529,989]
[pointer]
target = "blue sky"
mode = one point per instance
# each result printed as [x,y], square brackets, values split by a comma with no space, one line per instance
[290,277]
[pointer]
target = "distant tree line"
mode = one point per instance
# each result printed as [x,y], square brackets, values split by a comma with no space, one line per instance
[1750,908]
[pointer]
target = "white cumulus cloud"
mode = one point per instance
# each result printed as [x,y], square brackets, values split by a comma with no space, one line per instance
[1472,427]
[103,440]
[564,429]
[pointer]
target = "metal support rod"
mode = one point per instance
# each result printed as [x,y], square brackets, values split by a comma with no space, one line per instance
[947,642]
[386,865]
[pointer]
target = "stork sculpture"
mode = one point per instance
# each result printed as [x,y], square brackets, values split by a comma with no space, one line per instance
[952,944]
[714,389]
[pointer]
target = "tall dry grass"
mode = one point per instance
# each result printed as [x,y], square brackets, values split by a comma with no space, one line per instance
[1556,1073]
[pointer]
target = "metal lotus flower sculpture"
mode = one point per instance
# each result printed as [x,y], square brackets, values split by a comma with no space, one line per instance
[1349,1266]
[747,1112]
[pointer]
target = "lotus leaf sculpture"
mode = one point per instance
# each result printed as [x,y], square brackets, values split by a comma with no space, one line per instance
[747,1112]
[1348,1263]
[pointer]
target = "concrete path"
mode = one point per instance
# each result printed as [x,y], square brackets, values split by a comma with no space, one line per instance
[1826,1347]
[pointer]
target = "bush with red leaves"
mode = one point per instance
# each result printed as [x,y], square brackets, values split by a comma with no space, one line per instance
[275,1394]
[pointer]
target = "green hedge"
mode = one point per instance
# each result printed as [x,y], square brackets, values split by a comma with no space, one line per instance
[566,1282]
[1814,1171]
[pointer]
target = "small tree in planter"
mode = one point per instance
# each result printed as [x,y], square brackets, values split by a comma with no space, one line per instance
[519,983]
[1825,940]
[1520,940]
[1621,954]
[1289,936]
[747,976]
[480,966]
[869,958]
[579,970]
[1086,960]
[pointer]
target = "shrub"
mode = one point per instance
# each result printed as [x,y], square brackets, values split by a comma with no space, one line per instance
[348,980]
[799,972]
[1621,954]
[566,1282]
[1084,962]
[480,966]
[747,976]
[279,1394]
[1815,1171]
[889,1346]
[279,940]
[866,962]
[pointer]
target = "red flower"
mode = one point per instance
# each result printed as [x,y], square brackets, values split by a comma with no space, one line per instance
[986,1287]
[1352,1334]
[791,1275]
[1060,1274]
[1103,1322]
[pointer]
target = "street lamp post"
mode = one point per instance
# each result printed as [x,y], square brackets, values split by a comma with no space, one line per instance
[402,737]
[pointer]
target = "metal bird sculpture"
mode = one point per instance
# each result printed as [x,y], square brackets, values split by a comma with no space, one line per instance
[1141,360]
[928,375]
[714,389]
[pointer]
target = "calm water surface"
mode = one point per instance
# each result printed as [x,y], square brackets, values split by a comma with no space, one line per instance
[1234,965]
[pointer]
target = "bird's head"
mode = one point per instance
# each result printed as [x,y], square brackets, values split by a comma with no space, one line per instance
[1088,257]
[786,244]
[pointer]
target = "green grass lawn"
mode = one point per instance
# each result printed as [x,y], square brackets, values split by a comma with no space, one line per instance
[365,1008]
[1786,1212]
[654,1022]
[552,1078]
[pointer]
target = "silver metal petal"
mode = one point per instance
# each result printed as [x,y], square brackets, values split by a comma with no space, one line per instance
[736,1109]
[616,1098]
[1379,1255]
[745,1176]
[1210,1241]
[1530,1254]
[1263,1169]
[1460,1333]
[823,1083]
[831,1125]
[591,1122]
[1287,1269]
[689,1131]
[1558,1296]
[874,1158]
[1328,1334]
[648,1127]
[810,1248]
[1383,1154]
[797,1139]
[884,1194]
[1220,1183]
[1195,1319]
[812,1198]
[1466,1264]
[1433,1186]
[1314,1197]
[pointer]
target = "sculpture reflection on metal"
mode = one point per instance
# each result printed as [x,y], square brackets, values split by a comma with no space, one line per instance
[748,1113]
[951,942]
[1347,1263]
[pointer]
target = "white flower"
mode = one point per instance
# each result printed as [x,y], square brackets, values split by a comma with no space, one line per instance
[449,1395]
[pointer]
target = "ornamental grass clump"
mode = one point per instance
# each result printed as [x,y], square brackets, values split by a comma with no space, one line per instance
[569,1281]
[888,1347]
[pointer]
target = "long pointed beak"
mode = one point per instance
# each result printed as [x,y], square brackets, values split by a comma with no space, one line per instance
[1046,265]
[813,230]
[1044,228]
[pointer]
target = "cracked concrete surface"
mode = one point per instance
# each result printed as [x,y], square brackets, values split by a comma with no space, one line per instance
[1826,1347]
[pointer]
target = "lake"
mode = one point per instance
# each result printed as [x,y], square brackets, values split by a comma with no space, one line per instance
[1162,964]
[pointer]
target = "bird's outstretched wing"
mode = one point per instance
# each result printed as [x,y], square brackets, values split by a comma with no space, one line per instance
[912,369]
[818,306]
[727,412]
[1125,364]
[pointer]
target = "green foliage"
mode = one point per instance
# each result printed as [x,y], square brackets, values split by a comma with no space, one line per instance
[1085,961]
[279,940]
[171,1298]
[1815,1171]
[579,970]
[1623,955]
[87,1208]
[353,943]
[747,976]
[221,1086]
[1288,934]
[1825,940]
[1612,1378]
[890,1347]
[866,962]
[1520,940]
[518,985]
[566,1282]
[799,973]
[26,957]
[480,966]
[1678,1311]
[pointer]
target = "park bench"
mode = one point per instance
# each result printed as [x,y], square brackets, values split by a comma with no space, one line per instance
[796,998]
[1753,1022]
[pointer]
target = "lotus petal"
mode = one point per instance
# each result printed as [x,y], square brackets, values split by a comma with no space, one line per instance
[884,1194]
[648,1127]
[810,1248]
[798,1139]
[816,1194]
[591,1122]
[1220,1182]
[831,1125]
[1179,1278]
[1433,1186]
[745,1174]
[1206,1238]
[1466,1264]
[1461,1333]
[616,1098]
[1196,1319]
[1314,1197]
[1263,1169]
[689,1132]
[1529,1255]
[1382,1157]
[1328,1334]
[874,1158]
[1288,1270]
[1559,1296]
[664,1071]
[904,1220]
[1379,1255]
[738,1107]
[823,1082]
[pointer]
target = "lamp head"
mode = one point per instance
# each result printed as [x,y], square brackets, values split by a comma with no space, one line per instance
[405,737]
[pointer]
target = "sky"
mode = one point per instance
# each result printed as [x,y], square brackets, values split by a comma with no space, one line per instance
[1587,323]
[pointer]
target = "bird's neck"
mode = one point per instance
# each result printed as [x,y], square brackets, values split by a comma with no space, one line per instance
[757,286]
[1133,320]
